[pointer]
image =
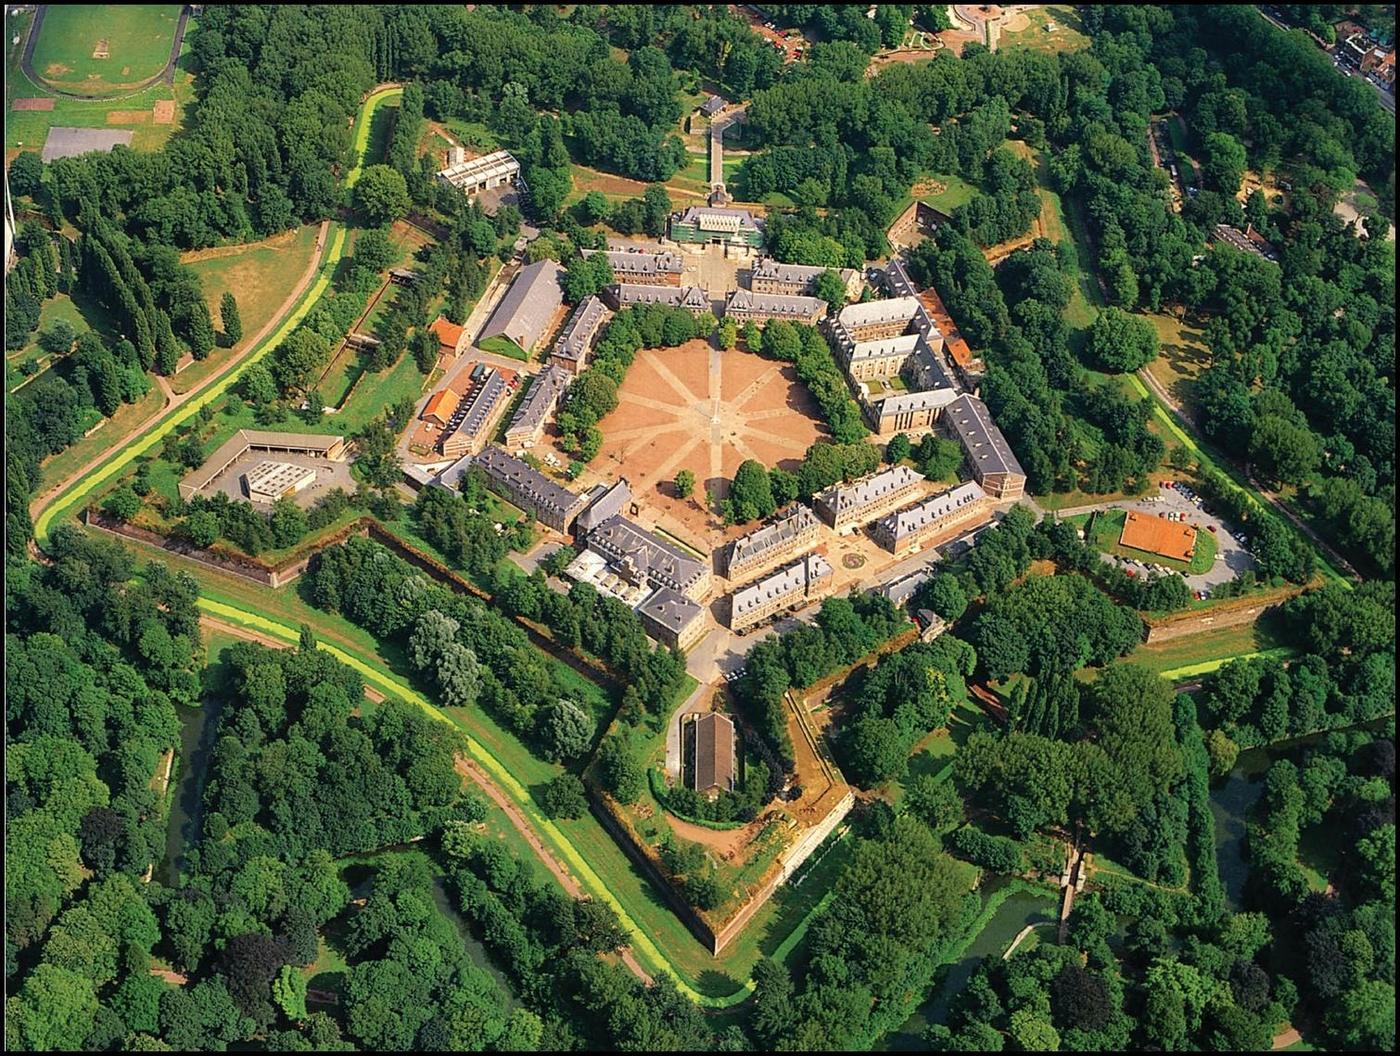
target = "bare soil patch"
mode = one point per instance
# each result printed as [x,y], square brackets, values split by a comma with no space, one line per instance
[163,113]
[127,117]
[726,843]
[33,104]
[103,50]
[57,69]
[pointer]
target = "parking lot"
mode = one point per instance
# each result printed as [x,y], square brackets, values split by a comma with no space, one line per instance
[1232,557]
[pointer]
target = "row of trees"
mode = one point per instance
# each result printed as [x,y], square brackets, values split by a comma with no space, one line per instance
[806,348]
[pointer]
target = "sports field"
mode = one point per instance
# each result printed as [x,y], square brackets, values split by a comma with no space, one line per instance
[104,49]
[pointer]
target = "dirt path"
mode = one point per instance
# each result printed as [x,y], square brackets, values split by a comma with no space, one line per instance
[177,979]
[173,401]
[1287,1037]
[724,842]
[469,769]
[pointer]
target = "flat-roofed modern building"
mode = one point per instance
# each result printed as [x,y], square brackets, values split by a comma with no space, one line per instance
[541,400]
[648,267]
[529,489]
[270,481]
[934,519]
[990,457]
[709,225]
[790,587]
[609,502]
[744,306]
[581,332]
[528,307]
[640,556]
[331,448]
[861,501]
[475,175]
[774,277]
[478,411]
[631,295]
[790,533]
[714,759]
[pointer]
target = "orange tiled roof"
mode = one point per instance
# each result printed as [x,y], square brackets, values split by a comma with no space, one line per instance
[449,334]
[441,405]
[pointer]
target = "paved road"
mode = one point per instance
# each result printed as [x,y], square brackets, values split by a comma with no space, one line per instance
[717,126]
[26,62]
[173,401]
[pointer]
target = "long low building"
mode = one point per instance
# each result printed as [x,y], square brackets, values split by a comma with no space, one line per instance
[703,224]
[745,306]
[541,400]
[474,175]
[581,332]
[775,277]
[476,413]
[791,533]
[863,500]
[934,519]
[240,443]
[649,267]
[794,586]
[990,457]
[633,295]
[874,320]
[528,307]
[532,491]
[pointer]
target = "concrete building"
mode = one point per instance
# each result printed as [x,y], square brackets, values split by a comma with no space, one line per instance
[331,448]
[774,277]
[529,489]
[989,456]
[609,502]
[632,295]
[707,225]
[639,556]
[580,334]
[791,587]
[528,308]
[476,413]
[541,400]
[647,267]
[790,533]
[934,519]
[270,481]
[861,501]
[714,753]
[744,306]
[473,176]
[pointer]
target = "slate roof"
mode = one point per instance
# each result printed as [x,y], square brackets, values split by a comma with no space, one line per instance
[979,436]
[528,306]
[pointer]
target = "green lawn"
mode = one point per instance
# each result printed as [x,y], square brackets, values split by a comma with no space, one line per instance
[955,192]
[504,346]
[79,311]
[258,275]
[138,39]
[27,129]
[1196,649]
[1068,34]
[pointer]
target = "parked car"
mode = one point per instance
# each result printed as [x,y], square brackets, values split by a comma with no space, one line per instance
[1211,527]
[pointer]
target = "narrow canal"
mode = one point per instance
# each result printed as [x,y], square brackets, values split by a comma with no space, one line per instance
[1019,909]
[198,729]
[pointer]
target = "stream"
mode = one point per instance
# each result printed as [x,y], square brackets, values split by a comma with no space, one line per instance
[1020,909]
[198,727]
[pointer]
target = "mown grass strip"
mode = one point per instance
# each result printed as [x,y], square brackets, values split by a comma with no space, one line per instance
[1176,674]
